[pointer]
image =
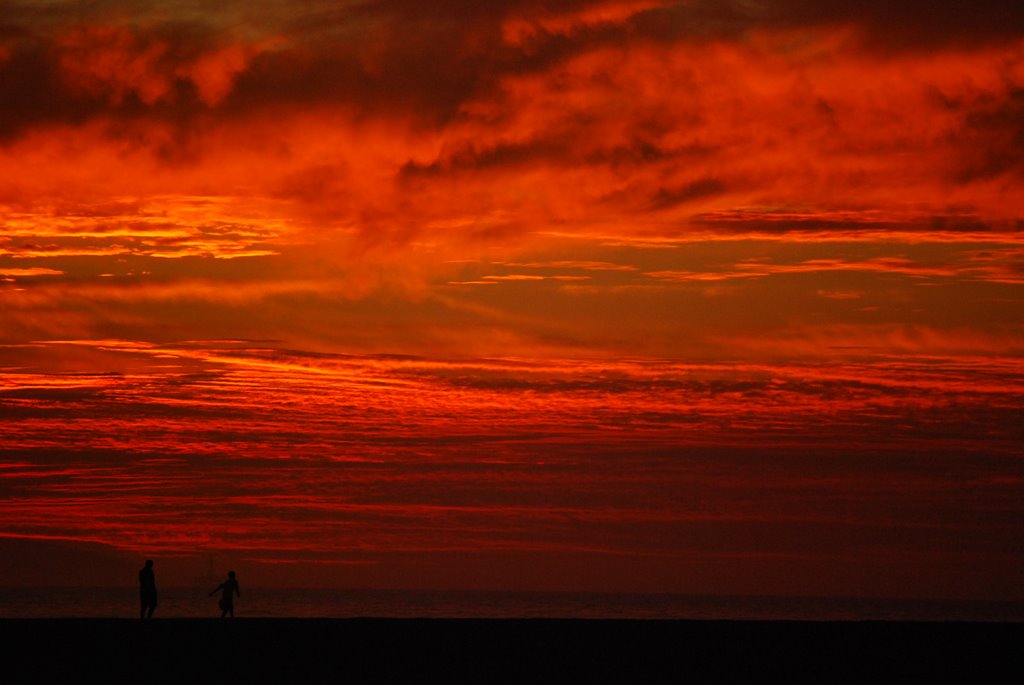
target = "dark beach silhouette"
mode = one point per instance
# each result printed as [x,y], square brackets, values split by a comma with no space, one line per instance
[147,590]
[229,589]
[510,651]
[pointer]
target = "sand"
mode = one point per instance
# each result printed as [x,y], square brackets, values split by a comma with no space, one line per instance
[488,651]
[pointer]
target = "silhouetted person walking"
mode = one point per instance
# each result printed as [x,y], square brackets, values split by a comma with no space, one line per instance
[229,589]
[147,590]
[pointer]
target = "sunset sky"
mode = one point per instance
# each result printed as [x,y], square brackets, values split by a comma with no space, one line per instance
[703,296]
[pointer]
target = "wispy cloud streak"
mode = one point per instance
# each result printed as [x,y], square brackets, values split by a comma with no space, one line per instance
[251,448]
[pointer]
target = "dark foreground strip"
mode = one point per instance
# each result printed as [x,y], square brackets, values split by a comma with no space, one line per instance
[503,651]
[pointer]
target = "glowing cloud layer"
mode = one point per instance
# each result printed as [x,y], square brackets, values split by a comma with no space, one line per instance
[682,281]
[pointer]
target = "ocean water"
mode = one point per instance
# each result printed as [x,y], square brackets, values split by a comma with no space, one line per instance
[307,603]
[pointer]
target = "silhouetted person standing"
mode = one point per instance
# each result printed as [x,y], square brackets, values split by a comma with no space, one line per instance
[147,590]
[229,588]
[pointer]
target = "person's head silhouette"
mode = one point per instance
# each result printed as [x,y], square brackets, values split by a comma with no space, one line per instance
[149,563]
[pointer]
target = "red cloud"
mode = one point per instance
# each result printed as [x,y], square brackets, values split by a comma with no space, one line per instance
[117,61]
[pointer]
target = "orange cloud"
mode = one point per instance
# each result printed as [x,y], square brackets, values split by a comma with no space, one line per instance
[537,22]
[114,62]
[118,61]
[34,271]
[806,340]
[570,264]
[761,269]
